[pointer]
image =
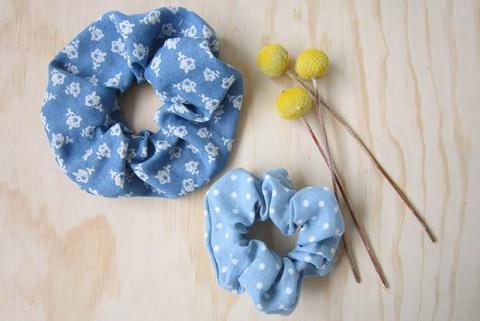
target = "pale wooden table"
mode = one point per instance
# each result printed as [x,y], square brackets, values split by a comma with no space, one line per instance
[405,74]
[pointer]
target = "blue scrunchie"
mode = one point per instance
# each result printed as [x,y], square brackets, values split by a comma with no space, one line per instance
[176,52]
[236,201]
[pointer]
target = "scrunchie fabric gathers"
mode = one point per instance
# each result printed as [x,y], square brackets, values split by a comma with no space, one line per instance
[175,51]
[236,201]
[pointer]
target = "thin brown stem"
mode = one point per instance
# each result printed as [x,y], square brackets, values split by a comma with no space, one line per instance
[301,83]
[325,136]
[385,174]
[351,259]
[373,159]
[330,164]
[360,228]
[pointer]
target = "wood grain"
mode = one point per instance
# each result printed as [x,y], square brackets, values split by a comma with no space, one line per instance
[406,76]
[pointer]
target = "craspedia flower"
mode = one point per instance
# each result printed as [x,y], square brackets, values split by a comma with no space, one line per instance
[272,60]
[293,103]
[312,63]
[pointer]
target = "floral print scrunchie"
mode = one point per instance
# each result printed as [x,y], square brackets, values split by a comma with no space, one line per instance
[175,51]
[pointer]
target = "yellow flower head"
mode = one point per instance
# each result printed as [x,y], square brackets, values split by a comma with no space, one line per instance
[293,103]
[272,60]
[312,63]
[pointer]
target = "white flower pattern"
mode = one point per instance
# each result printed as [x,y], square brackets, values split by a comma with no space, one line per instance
[73,89]
[96,34]
[73,120]
[186,63]
[140,51]
[82,175]
[98,57]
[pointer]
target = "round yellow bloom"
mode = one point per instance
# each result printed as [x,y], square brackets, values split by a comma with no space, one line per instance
[272,60]
[312,63]
[293,103]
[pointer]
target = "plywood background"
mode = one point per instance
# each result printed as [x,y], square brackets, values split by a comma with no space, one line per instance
[405,74]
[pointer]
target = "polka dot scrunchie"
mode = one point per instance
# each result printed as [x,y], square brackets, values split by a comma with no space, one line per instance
[236,201]
[175,51]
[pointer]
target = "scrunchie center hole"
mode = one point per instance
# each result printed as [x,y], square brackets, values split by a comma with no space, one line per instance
[274,239]
[139,105]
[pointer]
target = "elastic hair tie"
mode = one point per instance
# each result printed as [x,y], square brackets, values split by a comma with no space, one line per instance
[176,52]
[235,202]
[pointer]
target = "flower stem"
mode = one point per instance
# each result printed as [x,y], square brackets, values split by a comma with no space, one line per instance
[360,228]
[351,259]
[325,137]
[373,159]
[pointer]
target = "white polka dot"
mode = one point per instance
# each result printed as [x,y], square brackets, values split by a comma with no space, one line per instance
[338,231]
[307,258]
[267,176]
[235,211]
[206,235]
[234,261]
[299,222]
[288,291]
[306,203]
[286,189]
[249,179]
[259,306]
[311,239]
[303,228]
[332,250]
[229,287]
[248,196]
[235,291]
[335,209]
[252,215]
[320,253]
[234,195]
[216,192]
[205,213]
[219,225]
[274,193]
[217,209]
[224,269]
[216,248]
[272,210]
[325,226]
[277,266]
[227,235]
[259,285]
[281,306]
[290,271]
[321,204]
[263,248]
[325,188]
[233,177]
[261,266]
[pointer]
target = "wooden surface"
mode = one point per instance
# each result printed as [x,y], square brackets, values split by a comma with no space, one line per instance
[405,74]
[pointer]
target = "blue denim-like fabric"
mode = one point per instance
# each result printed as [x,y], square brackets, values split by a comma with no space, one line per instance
[175,51]
[236,201]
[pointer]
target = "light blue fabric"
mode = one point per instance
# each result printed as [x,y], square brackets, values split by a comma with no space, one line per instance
[236,201]
[175,51]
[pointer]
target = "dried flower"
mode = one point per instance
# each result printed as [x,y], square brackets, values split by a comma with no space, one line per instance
[273,60]
[312,63]
[293,103]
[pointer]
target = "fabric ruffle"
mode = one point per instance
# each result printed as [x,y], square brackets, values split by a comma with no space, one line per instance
[236,201]
[175,51]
